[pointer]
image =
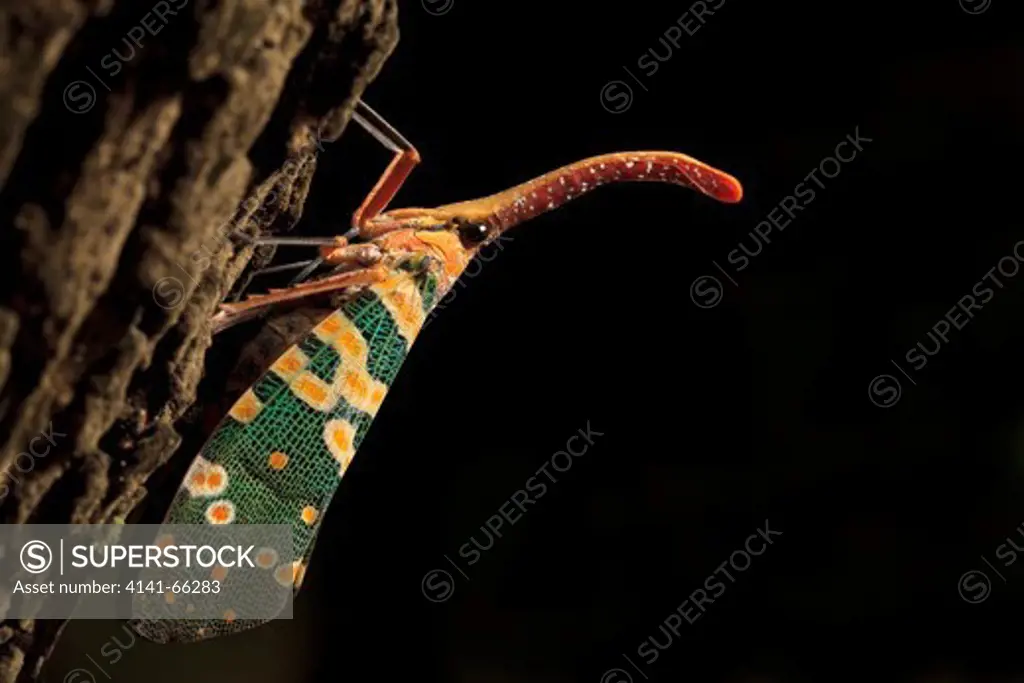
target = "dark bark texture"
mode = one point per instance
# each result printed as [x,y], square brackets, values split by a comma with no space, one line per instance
[140,144]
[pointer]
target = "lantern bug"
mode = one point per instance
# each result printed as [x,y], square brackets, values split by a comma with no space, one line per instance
[279,454]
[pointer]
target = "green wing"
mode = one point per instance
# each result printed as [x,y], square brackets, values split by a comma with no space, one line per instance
[279,454]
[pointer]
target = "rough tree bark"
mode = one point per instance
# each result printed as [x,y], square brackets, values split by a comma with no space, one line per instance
[122,216]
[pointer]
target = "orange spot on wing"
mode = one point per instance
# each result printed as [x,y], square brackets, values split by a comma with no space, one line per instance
[277,460]
[229,615]
[219,573]
[169,597]
[288,365]
[350,342]
[330,325]
[266,558]
[356,384]
[341,439]
[290,573]
[199,479]
[311,391]
[248,412]
[309,514]
[246,408]
[220,513]
[214,480]
[408,309]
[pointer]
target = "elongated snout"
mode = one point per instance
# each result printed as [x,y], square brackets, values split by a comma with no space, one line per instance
[554,189]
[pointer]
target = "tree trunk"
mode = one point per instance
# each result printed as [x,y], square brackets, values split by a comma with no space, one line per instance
[139,145]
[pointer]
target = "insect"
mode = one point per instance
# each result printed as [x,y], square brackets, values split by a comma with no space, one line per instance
[281,451]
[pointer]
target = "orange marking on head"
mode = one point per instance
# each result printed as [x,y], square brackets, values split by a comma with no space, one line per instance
[219,573]
[277,460]
[309,514]
[451,249]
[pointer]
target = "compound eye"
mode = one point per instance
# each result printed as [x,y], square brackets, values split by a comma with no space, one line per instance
[472,234]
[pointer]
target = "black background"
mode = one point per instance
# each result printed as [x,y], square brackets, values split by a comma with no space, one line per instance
[714,419]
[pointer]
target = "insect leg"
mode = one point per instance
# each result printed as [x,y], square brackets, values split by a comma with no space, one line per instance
[332,249]
[308,267]
[283,267]
[307,271]
[406,158]
[344,258]
[301,241]
[233,313]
